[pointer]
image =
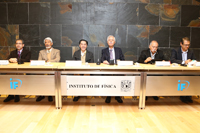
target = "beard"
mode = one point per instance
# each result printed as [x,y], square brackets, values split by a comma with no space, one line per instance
[48,47]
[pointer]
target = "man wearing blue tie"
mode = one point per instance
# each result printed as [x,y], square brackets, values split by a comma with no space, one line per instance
[111,53]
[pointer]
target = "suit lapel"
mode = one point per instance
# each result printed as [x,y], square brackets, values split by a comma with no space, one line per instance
[180,53]
[156,56]
[52,53]
[188,54]
[116,53]
[87,56]
[22,53]
[79,54]
[45,54]
[16,53]
[108,54]
[148,53]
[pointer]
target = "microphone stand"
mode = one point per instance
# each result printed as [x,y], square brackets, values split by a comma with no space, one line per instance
[98,61]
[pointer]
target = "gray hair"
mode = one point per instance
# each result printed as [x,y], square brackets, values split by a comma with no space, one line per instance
[110,36]
[48,38]
[153,41]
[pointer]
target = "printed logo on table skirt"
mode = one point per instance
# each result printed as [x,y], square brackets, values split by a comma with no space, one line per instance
[183,84]
[15,83]
[126,85]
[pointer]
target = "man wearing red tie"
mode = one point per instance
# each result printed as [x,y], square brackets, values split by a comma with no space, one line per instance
[19,55]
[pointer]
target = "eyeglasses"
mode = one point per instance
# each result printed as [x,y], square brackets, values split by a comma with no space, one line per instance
[186,45]
[154,47]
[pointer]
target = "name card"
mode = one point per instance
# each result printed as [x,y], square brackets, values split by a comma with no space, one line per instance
[198,64]
[4,62]
[162,63]
[192,63]
[37,62]
[73,63]
[124,63]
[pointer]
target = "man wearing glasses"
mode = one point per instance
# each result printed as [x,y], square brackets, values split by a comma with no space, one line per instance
[150,55]
[183,55]
[19,54]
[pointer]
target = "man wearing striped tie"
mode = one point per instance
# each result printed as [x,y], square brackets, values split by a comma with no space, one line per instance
[111,53]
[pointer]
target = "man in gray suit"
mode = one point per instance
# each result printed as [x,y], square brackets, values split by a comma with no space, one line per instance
[84,55]
[49,55]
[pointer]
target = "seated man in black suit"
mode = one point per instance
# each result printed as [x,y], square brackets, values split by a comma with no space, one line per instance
[152,53]
[84,55]
[19,54]
[183,55]
[111,53]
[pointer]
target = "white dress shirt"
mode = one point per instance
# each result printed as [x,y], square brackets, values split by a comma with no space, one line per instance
[184,56]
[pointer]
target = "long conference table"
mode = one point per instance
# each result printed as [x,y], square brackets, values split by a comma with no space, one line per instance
[59,80]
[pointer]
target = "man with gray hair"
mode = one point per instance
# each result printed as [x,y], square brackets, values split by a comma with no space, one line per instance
[49,55]
[150,55]
[111,53]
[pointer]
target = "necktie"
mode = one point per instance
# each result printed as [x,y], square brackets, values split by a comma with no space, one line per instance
[83,58]
[111,54]
[49,56]
[18,54]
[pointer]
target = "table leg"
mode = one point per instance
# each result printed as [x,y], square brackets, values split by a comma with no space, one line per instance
[141,89]
[58,98]
[144,90]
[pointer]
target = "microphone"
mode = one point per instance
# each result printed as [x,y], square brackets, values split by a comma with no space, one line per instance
[98,61]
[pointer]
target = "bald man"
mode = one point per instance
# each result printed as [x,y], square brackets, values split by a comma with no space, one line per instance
[152,53]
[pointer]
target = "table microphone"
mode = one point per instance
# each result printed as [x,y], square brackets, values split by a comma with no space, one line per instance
[98,61]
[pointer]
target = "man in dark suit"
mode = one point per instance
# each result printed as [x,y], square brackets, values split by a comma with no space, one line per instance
[20,54]
[111,53]
[183,55]
[150,54]
[84,55]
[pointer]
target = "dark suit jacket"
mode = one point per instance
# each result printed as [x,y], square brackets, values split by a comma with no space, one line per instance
[105,54]
[89,56]
[176,56]
[146,53]
[25,55]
